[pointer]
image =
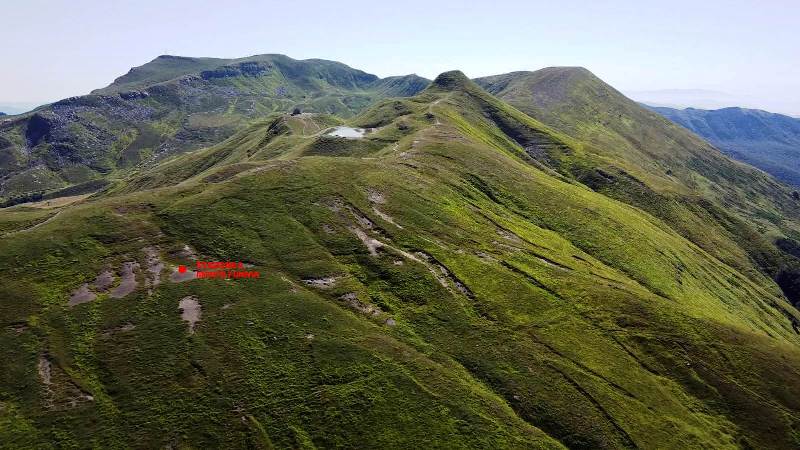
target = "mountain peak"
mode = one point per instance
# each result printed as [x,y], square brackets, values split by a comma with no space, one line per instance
[451,80]
[175,57]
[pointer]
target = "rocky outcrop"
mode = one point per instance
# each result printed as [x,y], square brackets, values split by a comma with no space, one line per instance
[246,69]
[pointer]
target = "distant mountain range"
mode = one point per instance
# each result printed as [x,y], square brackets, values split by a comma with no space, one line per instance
[171,105]
[766,140]
[10,108]
[686,98]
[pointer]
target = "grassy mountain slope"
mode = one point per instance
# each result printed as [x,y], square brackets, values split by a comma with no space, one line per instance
[768,141]
[731,210]
[430,284]
[172,105]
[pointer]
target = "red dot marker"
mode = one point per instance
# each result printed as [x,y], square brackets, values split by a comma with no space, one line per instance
[182,269]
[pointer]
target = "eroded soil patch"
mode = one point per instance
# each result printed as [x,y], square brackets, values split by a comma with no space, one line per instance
[60,391]
[104,281]
[81,295]
[386,217]
[154,266]
[372,244]
[375,196]
[323,283]
[128,281]
[191,310]
[351,299]
[178,277]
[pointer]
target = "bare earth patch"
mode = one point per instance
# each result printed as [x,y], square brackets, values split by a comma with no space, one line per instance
[190,311]
[81,295]
[154,266]
[128,283]
[104,281]
[485,257]
[375,196]
[363,220]
[60,391]
[45,369]
[443,275]
[177,277]
[365,308]
[323,283]
[372,244]
[187,253]
[386,217]
[510,236]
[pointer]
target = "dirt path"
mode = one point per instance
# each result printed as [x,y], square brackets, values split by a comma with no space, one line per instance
[305,121]
[56,202]
[421,135]
[34,226]
[60,202]
[430,111]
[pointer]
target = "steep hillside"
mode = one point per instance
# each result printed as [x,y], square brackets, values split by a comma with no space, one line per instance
[768,141]
[168,106]
[430,283]
[733,211]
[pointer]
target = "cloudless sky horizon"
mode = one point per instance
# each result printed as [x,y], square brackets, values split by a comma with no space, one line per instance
[749,50]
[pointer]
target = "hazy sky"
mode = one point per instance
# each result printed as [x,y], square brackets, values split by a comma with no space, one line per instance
[746,49]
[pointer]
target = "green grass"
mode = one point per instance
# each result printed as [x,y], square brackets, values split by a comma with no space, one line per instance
[732,211]
[528,310]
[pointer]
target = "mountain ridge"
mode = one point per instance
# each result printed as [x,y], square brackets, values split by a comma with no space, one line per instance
[171,105]
[619,173]
[639,157]
[454,275]
[169,67]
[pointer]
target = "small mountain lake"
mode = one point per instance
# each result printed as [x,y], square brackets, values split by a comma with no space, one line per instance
[347,132]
